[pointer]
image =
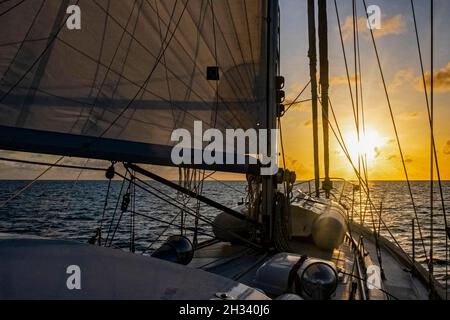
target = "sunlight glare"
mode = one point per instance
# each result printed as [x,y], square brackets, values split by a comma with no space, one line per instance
[368,146]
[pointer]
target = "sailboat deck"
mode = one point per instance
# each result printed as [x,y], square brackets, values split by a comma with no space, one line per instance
[241,264]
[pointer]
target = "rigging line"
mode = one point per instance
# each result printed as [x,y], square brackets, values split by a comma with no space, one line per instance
[174,204]
[11,8]
[431,263]
[105,206]
[115,209]
[113,58]
[198,208]
[361,279]
[361,89]
[29,185]
[429,113]
[164,61]
[196,67]
[179,202]
[15,43]
[249,37]
[238,40]
[358,121]
[97,69]
[236,90]
[394,123]
[146,81]
[296,100]
[301,102]
[216,58]
[47,47]
[436,159]
[121,73]
[432,148]
[133,220]
[347,154]
[129,80]
[345,61]
[174,74]
[82,103]
[227,185]
[55,165]
[168,227]
[199,26]
[70,202]
[195,64]
[22,43]
[283,155]
[122,213]
[230,51]
[170,224]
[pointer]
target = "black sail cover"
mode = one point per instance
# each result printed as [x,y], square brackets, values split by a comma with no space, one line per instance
[135,71]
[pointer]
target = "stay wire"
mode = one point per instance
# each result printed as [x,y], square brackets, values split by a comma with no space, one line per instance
[394,123]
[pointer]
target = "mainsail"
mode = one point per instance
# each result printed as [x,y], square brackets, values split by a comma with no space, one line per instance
[136,70]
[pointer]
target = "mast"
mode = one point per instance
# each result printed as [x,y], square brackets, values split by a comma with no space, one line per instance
[269,182]
[325,84]
[313,74]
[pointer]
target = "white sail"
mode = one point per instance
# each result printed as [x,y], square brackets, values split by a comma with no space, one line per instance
[136,70]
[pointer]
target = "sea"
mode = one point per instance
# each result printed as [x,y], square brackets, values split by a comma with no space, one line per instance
[75,210]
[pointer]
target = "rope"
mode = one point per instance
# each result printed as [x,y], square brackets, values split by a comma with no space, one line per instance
[435,156]
[345,61]
[29,185]
[297,98]
[175,203]
[116,208]
[394,123]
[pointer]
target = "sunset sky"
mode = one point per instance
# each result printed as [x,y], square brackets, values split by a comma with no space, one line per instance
[399,57]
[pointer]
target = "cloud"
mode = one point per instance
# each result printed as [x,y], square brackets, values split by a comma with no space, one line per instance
[392,157]
[402,77]
[377,152]
[392,141]
[390,26]
[410,115]
[409,160]
[341,80]
[441,80]
[407,77]
[447,148]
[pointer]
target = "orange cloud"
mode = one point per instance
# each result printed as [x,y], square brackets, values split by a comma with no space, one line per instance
[341,80]
[402,77]
[441,80]
[447,148]
[390,26]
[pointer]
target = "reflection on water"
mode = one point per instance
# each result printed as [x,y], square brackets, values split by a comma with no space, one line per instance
[73,210]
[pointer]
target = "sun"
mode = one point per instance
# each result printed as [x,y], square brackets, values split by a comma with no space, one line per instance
[368,145]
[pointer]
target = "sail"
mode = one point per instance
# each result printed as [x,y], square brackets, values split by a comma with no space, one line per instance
[134,71]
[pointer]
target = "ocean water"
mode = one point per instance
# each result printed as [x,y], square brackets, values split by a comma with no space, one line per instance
[74,210]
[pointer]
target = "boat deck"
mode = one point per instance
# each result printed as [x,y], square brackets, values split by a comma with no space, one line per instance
[240,263]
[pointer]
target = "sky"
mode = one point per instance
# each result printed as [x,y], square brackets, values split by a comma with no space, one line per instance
[400,63]
[399,57]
